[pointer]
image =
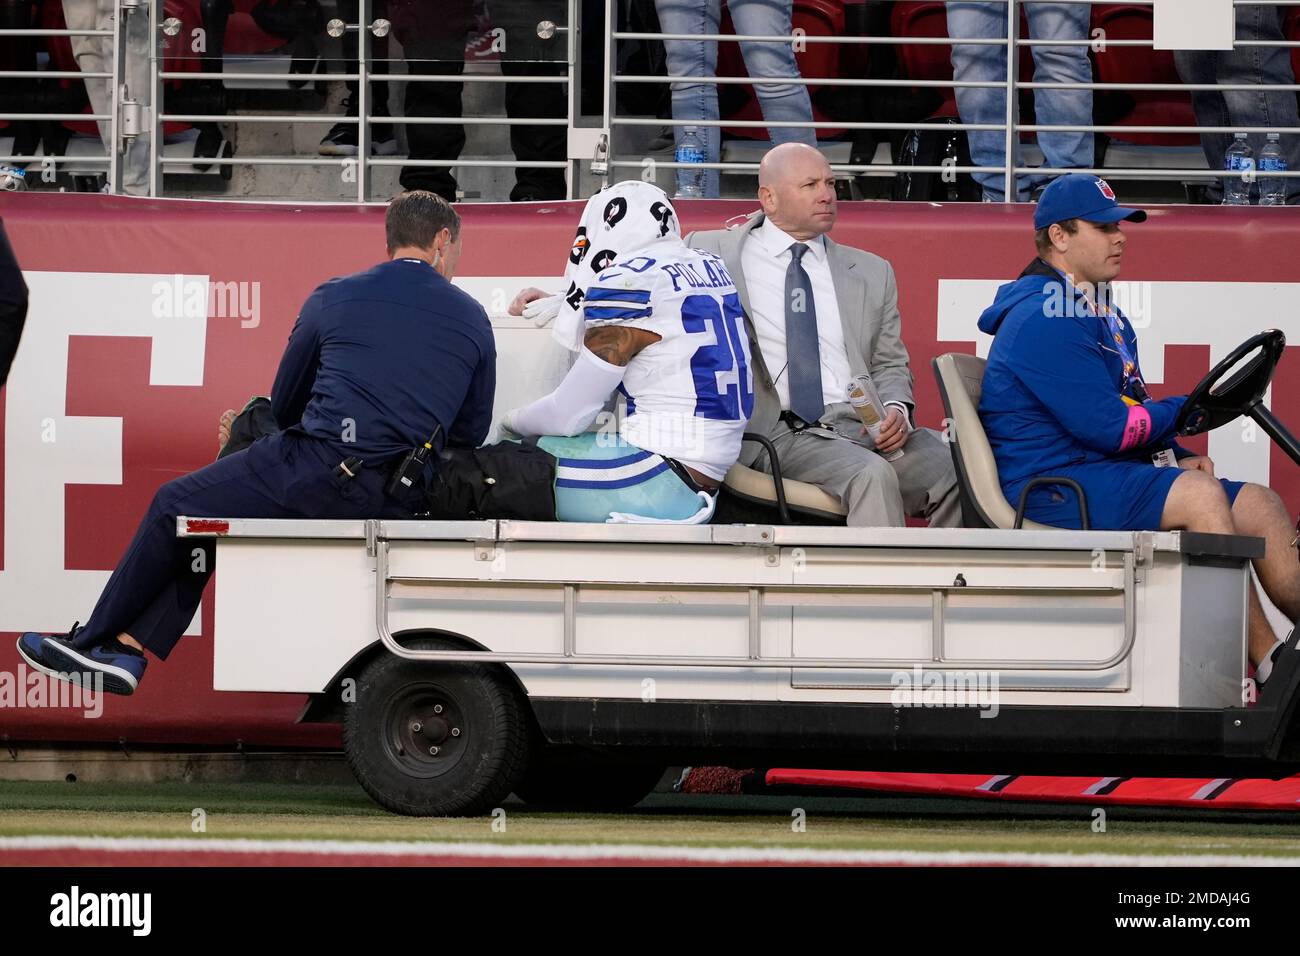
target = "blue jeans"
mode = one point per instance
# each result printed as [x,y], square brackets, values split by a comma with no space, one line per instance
[1261,64]
[1052,64]
[781,102]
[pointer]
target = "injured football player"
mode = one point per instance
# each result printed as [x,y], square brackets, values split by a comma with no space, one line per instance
[661,323]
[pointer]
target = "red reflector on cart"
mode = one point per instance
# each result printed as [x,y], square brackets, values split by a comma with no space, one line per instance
[206,526]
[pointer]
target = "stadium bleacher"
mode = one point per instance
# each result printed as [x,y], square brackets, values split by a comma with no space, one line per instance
[267,40]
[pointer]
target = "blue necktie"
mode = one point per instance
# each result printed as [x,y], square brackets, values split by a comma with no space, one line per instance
[804,359]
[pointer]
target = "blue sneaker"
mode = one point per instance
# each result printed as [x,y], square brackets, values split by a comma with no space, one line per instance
[31,648]
[120,667]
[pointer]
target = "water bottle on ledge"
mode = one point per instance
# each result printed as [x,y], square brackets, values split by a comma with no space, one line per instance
[1272,188]
[1239,158]
[690,149]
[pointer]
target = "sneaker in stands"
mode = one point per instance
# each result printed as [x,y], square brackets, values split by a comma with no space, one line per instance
[341,140]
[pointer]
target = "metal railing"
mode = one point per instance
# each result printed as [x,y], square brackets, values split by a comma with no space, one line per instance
[599,147]
[362,165]
[109,160]
[152,120]
[426,587]
[1011,126]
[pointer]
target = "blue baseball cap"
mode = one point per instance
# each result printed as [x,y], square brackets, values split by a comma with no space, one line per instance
[1080,196]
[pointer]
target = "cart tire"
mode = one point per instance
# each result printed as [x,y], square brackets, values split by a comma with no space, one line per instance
[432,739]
[576,780]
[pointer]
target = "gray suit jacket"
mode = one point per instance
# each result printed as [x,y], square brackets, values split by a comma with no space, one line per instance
[867,295]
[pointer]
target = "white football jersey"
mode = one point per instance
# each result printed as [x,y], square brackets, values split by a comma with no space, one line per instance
[689,395]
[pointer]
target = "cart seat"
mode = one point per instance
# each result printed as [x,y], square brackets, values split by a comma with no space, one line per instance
[758,487]
[983,505]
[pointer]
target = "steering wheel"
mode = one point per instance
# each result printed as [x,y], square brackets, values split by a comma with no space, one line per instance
[1212,403]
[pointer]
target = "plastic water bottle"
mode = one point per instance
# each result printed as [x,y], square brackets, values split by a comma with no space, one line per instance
[690,149]
[12,179]
[1272,188]
[1239,158]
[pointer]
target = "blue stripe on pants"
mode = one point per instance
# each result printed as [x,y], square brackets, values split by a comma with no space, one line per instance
[654,493]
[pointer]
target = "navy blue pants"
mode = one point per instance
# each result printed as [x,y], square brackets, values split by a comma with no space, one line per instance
[155,590]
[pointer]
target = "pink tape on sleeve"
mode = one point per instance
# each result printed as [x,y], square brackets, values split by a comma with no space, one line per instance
[1137,431]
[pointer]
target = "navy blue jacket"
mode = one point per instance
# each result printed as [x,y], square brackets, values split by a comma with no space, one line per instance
[13,305]
[1054,386]
[377,359]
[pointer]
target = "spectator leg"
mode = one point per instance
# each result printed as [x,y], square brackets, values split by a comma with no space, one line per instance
[93,55]
[1261,65]
[1201,66]
[139,46]
[215,15]
[1062,64]
[441,54]
[349,10]
[785,102]
[694,101]
[526,54]
[532,143]
[985,64]
[19,53]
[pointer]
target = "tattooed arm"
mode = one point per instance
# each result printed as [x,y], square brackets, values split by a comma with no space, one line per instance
[617,344]
[579,398]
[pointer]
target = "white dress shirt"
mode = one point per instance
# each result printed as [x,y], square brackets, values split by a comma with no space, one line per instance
[765,258]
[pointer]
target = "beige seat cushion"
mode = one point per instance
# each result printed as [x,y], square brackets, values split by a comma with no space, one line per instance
[961,380]
[758,485]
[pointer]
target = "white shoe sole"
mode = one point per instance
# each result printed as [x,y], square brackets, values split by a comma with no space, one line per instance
[334,149]
[110,672]
[386,148]
[74,677]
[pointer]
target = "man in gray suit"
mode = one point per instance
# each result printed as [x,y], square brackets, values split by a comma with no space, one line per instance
[818,314]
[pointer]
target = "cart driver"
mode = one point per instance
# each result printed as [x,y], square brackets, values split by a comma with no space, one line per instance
[1063,395]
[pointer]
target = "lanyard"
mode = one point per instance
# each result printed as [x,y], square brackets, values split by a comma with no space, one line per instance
[1132,385]
[1132,382]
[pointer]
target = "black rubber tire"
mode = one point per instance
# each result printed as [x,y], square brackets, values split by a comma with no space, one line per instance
[388,730]
[562,779]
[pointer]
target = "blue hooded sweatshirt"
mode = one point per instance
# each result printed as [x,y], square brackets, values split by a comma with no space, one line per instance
[1056,393]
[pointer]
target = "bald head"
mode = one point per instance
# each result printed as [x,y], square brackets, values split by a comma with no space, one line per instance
[782,162]
[797,190]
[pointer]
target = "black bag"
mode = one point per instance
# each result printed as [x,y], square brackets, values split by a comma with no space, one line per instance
[935,146]
[505,480]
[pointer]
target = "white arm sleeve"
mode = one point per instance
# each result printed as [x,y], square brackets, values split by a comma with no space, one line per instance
[575,402]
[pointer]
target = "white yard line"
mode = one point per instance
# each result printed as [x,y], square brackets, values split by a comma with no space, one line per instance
[583,853]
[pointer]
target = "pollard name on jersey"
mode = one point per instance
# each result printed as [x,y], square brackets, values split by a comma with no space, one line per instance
[689,395]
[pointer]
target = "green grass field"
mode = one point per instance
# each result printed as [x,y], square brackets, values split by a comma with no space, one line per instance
[843,823]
